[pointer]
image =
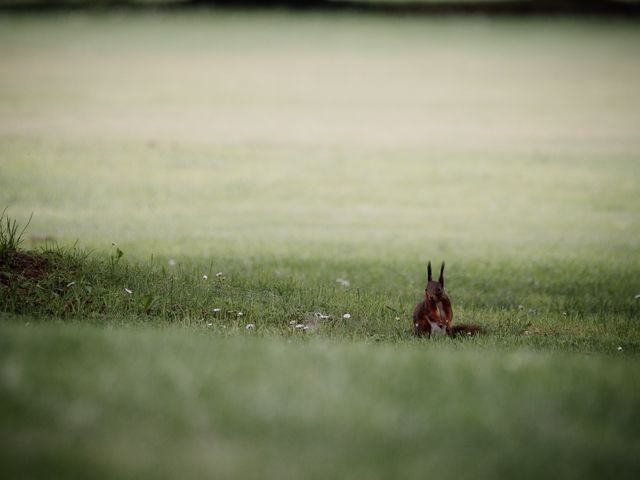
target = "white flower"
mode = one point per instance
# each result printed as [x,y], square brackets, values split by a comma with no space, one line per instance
[216,310]
[346,315]
[305,328]
[204,277]
[128,291]
[240,314]
[70,284]
[300,325]
[520,307]
[343,281]
[637,297]
[397,318]
[219,274]
[292,322]
[250,326]
[209,324]
[619,349]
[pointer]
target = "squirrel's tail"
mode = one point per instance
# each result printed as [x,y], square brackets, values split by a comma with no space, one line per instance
[463,329]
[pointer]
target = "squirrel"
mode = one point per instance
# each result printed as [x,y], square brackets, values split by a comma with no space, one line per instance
[434,316]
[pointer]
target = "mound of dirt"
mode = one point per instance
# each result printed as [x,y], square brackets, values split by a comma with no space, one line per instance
[18,265]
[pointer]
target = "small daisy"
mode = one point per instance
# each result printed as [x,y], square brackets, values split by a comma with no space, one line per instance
[300,325]
[209,324]
[346,315]
[250,326]
[128,291]
[219,274]
[205,277]
[619,349]
[216,310]
[240,314]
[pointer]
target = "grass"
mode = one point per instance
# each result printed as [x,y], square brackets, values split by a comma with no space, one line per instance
[10,237]
[288,151]
[584,310]
[161,403]
[256,135]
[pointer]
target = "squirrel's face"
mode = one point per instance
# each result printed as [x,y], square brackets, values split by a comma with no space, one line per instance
[435,291]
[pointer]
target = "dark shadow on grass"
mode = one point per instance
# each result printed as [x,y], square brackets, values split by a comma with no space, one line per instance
[488,7]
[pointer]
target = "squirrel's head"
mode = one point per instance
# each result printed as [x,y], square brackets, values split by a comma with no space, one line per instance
[435,289]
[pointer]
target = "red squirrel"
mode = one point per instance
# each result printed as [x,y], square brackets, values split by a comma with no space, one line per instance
[434,315]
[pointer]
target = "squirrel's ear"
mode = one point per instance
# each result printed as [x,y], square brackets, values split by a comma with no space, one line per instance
[429,271]
[441,279]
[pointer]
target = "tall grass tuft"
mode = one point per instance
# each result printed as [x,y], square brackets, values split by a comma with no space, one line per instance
[10,233]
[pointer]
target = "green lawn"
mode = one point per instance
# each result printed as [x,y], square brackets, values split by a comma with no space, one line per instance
[289,151]
[84,402]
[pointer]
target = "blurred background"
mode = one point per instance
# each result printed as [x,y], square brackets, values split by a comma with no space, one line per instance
[323,128]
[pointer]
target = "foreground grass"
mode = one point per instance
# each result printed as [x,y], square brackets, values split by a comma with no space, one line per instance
[151,382]
[149,403]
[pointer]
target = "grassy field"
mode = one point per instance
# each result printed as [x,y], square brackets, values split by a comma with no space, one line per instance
[287,152]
